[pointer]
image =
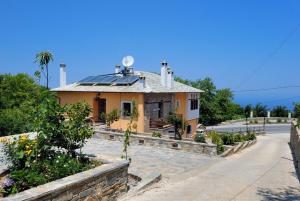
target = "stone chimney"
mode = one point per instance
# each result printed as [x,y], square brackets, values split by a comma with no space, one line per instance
[117,69]
[142,82]
[170,78]
[63,75]
[163,73]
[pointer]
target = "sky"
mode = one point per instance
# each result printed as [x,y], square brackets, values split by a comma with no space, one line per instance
[249,44]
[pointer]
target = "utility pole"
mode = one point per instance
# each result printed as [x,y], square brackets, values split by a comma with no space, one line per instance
[264,123]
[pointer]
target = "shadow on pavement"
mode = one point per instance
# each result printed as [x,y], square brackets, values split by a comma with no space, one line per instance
[281,194]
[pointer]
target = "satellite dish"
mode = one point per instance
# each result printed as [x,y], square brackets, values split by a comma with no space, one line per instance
[127,61]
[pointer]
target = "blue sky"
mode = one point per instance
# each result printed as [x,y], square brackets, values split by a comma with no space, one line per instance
[229,41]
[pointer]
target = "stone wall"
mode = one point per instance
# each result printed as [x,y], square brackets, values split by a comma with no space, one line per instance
[105,182]
[188,146]
[295,144]
[229,150]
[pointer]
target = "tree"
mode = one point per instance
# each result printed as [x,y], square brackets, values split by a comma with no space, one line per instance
[280,111]
[44,58]
[215,105]
[20,95]
[248,108]
[260,110]
[296,110]
[134,115]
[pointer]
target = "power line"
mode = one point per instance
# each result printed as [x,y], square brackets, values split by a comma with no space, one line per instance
[281,99]
[271,55]
[266,89]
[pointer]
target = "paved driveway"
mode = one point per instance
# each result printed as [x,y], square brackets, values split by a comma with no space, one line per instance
[264,171]
[170,163]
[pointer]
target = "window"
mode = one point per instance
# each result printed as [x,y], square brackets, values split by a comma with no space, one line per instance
[126,109]
[189,129]
[177,103]
[194,104]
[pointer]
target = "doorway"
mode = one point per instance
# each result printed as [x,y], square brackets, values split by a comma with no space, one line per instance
[101,109]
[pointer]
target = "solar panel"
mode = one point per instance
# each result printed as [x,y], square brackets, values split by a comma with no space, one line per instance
[107,80]
[126,80]
[87,79]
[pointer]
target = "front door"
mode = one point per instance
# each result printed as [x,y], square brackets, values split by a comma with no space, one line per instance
[102,109]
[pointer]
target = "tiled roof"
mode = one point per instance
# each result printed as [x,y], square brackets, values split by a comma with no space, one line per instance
[152,85]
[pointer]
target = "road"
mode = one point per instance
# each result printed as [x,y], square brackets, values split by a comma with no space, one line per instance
[264,171]
[269,128]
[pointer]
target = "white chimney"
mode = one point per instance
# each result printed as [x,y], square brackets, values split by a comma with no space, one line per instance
[163,73]
[63,75]
[170,78]
[142,82]
[117,69]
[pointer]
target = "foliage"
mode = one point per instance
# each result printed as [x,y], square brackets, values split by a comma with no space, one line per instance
[199,138]
[215,105]
[43,59]
[296,112]
[279,120]
[133,117]
[260,110]
[249,136]
[51,154]
[156,134]
[247,110]
[217,140]
[179,125]
[62,126]
[279,111]
[228,139]
[110,117]
[19,98]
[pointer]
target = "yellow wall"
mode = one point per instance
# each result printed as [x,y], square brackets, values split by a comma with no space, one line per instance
[113,101]
[193,123]
[182,106]
[182,97]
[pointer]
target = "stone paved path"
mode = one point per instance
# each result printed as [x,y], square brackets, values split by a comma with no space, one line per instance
[264,171]
[168,162]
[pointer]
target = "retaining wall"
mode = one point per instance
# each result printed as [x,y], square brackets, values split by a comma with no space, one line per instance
[105,182]
[188,146]
[295,144]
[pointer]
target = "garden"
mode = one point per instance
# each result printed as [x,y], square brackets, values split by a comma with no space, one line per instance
[224,138]
[55,151]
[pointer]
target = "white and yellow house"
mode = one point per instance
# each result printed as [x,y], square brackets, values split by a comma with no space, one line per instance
[156,96]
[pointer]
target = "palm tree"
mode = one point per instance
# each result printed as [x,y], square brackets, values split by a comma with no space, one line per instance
[44,58]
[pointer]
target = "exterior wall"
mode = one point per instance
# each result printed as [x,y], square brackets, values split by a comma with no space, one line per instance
[191,114]
[193,123]
[183,109]
[75,97]
[113,101]
[106,182]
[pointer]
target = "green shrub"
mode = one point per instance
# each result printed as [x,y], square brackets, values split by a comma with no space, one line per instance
[199,138]
[61,130]
[217,140]
[256,121]
[279,120]
[227,138]
[238,138]
[156,134]
[249,136]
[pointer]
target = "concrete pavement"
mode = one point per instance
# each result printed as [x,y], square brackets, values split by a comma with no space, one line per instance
[264,171]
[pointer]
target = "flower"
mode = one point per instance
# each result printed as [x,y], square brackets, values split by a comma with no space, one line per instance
[57,161]
[7,182]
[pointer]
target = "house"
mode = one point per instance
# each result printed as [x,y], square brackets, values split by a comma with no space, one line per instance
[156,96]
